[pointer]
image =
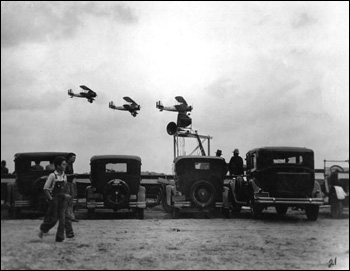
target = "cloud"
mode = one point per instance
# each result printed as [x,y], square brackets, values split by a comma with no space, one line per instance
[303,19]
[40,21]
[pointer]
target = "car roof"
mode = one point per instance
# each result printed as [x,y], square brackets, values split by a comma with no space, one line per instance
[112,157]
[39,155]
[198,157]
[282,149]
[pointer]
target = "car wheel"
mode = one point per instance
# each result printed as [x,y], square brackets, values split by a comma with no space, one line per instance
[175,212]
[140,213]
[281,209]
[256,210]
[336,207]
[116,192]
[91,212]
[14,211]
[236,209]
[203,193]
[312,212]
[226,212]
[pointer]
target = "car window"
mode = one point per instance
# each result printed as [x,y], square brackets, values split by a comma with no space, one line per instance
[203,166]
[298,159]
[116,167]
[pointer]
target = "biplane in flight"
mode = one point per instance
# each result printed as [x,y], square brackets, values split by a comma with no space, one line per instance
[183,118]
[88,93]
[131,106]
[182,107]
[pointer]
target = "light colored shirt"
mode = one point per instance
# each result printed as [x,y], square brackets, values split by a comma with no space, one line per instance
[53,178]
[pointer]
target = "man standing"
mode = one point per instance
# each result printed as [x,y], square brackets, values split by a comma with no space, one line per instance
[71,187]
[218,153]
[4,169]
[236,164]
[37,166]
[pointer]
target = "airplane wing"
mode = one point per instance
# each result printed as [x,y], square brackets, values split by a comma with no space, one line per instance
[180,99]
[129,100]
[86,88]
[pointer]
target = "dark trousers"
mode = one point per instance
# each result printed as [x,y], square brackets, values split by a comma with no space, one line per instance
[71,189]
[57,211]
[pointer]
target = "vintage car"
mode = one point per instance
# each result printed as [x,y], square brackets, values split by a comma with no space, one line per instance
[30,176]
[336,187]
[115,184]
[282,177]
[197,184]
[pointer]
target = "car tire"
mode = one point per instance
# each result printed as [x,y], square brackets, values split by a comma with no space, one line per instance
[256,210]
[281,209]
[226,212]
[203,193]
[336,207]
[116,195]
[140,213]
[236,209]
[312,212]
[91,213]
[175,213]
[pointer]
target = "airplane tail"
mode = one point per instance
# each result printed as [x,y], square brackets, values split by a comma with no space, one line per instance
[159,105]
[70,92]
[111,105]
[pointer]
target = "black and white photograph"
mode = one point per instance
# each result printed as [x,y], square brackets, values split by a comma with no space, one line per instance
[174,135]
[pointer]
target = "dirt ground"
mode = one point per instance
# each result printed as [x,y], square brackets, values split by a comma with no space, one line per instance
[194,241]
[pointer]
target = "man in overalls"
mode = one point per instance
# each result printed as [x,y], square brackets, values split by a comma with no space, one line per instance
[54,190]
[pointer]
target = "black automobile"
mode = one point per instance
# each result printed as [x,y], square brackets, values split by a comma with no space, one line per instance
[115,184]
[30,176]
[198,183]
[282,177]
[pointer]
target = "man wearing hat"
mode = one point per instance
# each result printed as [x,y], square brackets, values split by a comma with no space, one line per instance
[218,153]
[236,164]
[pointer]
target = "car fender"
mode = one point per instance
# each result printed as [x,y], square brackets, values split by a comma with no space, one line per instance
[170,191]
[141,195]
[225,195]
[254,186]
[339,191]
[316,192]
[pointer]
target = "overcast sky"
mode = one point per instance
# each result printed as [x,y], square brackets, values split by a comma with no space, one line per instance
[257,74]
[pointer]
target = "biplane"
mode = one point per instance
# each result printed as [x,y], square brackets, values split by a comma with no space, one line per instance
[88,93]
[131,106]
[183,118]
[182,107]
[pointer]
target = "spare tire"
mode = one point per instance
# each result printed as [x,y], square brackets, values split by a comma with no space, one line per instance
[203,193]
[116,192]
